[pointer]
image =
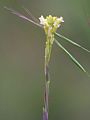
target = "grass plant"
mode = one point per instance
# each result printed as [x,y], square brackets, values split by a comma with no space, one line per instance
[50,24]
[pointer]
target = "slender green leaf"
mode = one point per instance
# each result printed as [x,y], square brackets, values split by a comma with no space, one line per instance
[30,14]
[71,57]
[22,16]
[70,41]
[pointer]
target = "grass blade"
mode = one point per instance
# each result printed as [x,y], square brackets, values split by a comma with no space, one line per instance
[22,16]
[71,57]
[70,41]
[30,14]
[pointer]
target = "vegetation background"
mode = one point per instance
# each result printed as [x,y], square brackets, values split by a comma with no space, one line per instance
[22,62]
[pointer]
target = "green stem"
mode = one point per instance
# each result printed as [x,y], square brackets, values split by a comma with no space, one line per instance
[46,94]
[48,49]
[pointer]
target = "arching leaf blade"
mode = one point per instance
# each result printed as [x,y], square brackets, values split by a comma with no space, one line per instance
[70,41]
[71,57]
[22,16]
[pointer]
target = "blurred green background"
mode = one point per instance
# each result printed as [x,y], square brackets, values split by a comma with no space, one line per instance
[22,62]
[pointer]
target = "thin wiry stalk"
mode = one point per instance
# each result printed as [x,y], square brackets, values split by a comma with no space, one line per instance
[48,49]
[46,94]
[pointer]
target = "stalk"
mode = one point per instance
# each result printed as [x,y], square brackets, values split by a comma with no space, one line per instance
[46,94]
[48,49]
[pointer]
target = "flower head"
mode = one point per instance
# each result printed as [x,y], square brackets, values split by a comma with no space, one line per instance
[50,24]
[42,20]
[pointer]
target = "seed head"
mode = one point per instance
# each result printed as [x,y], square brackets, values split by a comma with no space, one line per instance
[50,24]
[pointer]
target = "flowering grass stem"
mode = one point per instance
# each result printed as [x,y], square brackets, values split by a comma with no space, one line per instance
[50,25]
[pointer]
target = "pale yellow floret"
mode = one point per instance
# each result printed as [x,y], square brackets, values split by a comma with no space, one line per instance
[50,24]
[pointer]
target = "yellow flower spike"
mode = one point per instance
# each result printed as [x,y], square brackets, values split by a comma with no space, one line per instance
[50,24]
